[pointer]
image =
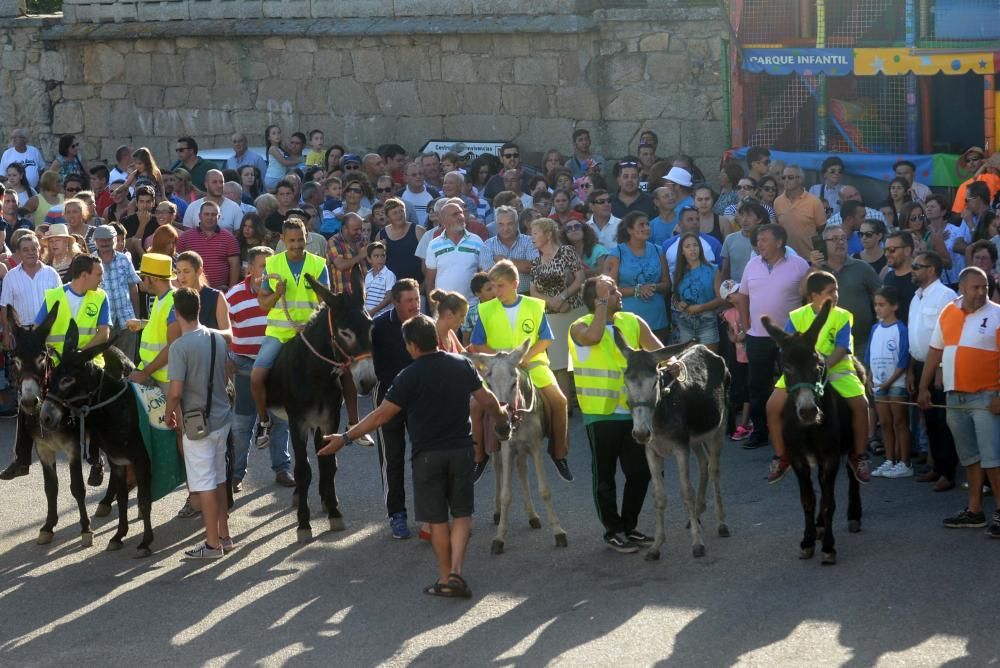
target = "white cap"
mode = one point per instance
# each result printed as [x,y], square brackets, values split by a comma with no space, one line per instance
[680,176]
[728,287]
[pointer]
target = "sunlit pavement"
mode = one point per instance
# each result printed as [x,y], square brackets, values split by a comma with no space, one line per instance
[905,592]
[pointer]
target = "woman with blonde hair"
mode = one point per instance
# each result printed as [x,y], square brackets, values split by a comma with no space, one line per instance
[60,248]
[185,190]
[49,195]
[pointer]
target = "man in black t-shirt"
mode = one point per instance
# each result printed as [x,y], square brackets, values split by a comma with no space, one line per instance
[434,391]
[899,270]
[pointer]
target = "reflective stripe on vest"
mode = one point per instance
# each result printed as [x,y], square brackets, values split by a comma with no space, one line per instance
[802,318]
[499,333]
[86,318]
[299,299]
[154,335]
[598,369]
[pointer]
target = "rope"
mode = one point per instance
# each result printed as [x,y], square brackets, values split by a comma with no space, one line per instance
[950,408]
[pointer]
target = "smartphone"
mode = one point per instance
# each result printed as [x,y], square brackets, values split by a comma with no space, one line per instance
[819,244]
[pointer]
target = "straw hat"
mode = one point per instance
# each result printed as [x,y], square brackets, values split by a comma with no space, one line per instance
[59,230]
[157,265]
[680,176]
[963,161]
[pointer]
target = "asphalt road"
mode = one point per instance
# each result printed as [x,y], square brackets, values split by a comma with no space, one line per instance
[905,592]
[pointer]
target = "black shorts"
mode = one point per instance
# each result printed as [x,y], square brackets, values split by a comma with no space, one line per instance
[442,481]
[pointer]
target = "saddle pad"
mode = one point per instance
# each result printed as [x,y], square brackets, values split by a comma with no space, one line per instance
[166,462]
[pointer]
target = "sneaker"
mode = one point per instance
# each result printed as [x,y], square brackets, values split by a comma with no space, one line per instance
[262,436]
[285,479]
[398,525]
[779,467]
[237,486]
[619,544]
[741,433]
[993,530]
[900,470]
[966,520]
[188,511]
[859,468]
[754,442]
[203,551]
[479,468]
[227,544]
[884,470]
[15,470]
[562,466]
[638,537]
[365,440]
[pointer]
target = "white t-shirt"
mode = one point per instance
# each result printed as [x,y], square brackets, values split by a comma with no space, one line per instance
[456,264]
[419,203]
[888,350]
[607,236]
[34,163]
[229,217]
[376,286]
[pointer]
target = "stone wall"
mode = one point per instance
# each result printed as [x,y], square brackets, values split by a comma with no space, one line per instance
[532,78]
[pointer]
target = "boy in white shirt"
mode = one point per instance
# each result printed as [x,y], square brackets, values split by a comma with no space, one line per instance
[378,281]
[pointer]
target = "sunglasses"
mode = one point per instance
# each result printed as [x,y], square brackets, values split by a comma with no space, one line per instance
[628,163]
[917,266]
[893,249]
[512,155]
[769,189]
[867,235]
[921,218]
[76,145]
[383,190]
[572,227]
[604,200]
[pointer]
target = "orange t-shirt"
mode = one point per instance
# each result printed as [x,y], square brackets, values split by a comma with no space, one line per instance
[801,218]
[971,347]
[991,180]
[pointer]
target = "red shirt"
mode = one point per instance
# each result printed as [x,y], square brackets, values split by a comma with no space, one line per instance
[215,251]
[247,318]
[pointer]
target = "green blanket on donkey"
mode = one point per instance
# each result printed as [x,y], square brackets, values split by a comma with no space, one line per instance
[165,461]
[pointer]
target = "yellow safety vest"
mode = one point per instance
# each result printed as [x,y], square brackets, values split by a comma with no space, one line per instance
[300,299]
[86,318]
[598,371]
[802,318]
[154,335]
[499,333]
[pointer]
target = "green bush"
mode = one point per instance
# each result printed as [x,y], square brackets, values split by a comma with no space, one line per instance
[44,6]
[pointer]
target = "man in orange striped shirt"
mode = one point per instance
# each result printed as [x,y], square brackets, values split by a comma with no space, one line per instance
[966,344]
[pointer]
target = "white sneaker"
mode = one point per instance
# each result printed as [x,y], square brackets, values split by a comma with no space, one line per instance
[883,470]
[900,470]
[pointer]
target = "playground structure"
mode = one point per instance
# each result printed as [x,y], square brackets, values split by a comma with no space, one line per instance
[872,80]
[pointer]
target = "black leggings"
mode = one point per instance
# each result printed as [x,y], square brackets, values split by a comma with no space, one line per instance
[610,443]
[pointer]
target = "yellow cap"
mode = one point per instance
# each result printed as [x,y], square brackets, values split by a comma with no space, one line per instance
[157,265]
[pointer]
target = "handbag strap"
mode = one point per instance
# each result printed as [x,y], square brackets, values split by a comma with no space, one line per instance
[211,379]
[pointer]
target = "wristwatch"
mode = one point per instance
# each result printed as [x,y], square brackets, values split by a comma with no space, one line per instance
[347,439]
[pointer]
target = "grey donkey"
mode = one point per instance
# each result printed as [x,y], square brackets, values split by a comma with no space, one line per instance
[529,429]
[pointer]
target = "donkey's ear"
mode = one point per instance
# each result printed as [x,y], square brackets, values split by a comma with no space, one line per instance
[321,290]
[114,363]
[622,344]
[357,284]
[518,353]
[666,352]
[479,359]
[72,337]
[812,334]
[50,319]
[779,335]
[91,353]
[12,318]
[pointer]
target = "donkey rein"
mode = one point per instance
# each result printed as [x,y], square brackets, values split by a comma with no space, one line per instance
[950,408]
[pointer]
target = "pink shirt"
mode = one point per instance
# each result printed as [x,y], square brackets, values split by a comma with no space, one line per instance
[772,290]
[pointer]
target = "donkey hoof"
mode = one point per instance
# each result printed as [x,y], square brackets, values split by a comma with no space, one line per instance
[807,552]
[103,510]
[337,524]
[304,535]
[698,550]
[44,537]
[854,526]
[143,552]
[535,523]
[87,538]
[653,555]
[295,500]
[113,546]
[723,531]
[496,518]
[561,540]
[829,558]
[496,547]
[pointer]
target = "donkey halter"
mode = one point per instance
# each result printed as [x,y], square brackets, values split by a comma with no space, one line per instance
[819,387]
[338,367]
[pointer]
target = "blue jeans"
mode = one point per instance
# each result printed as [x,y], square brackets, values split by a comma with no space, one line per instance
[244,418]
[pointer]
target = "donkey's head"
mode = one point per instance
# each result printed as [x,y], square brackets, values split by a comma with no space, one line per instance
[32,358]
[351,329]
[500,372]
[76,381]
[804,369]
[642,383]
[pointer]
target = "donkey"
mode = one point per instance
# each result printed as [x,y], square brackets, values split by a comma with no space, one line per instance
[304,388]
[513,388]
[33,364]
[817,431]
[105,397]
[678,409]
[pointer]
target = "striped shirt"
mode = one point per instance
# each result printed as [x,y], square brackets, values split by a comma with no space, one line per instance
[119,277]
[376,286]
[971,347]
[215,251]
[455,264]
[248,319]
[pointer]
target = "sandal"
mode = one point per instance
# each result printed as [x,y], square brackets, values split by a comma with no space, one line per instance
[187,510]
[445,591]
[456,581]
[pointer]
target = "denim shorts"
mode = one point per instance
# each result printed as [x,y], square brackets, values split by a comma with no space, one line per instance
[269,349]
[892,392]
[701,329]
[976,432]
